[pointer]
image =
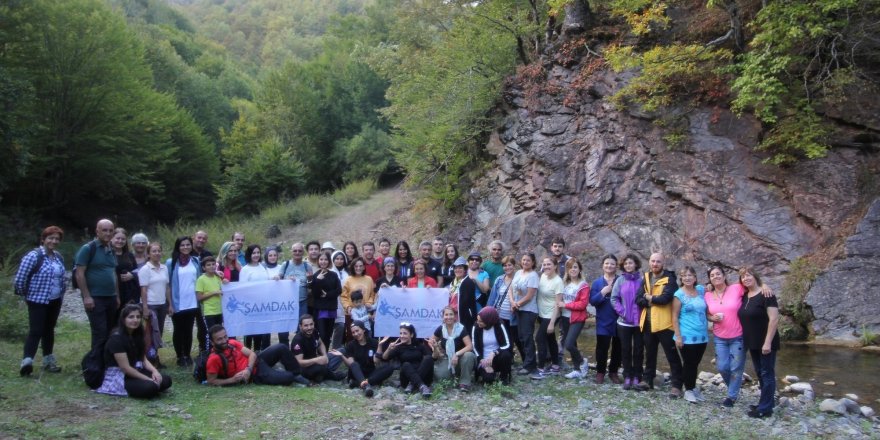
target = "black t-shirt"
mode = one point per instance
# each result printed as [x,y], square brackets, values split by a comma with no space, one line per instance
[393,282]
[753,317]
[306,346]
[120,343]
[433,269]
[459,341]
[414,352]
[362,354]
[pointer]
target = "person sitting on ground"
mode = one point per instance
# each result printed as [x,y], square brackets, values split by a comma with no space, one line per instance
[129,373]
[231,363]
[452,351]
[492,347]
[311,354]
[359,356]
[416,363]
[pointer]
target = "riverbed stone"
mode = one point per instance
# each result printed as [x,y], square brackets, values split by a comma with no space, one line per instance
[800,387]
[850,405]
[706,376]
[832,406]
[852,396]
[790,379]
[867,411]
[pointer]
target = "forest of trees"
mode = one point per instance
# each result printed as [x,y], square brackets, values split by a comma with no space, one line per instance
[159,110]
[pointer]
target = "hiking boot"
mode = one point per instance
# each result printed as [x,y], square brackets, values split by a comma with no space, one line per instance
[754,413]
[27,367]
[425,390]
[689,396]
[368,391]
[627,384]
[600,378]
[615,379]
[50,365]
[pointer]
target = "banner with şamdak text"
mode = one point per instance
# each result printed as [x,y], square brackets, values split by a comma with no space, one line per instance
[421,307]
[260,307]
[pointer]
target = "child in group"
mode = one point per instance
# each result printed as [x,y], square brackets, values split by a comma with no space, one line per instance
[208,291]
[361,312]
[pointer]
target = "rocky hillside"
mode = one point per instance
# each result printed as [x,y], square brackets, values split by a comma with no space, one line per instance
[614,181]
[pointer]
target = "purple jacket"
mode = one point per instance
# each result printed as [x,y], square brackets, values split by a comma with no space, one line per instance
[623,297]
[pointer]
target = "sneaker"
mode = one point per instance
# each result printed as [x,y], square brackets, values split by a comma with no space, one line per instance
[627,384]
[523,372]
[640,386]
[368,391]
[409,389]
[574,374]
[554,369]
[675,393]
[600,378]
[425,390]
[27,367]
[699,395]
[539,375]
[728,402]
[585,368]
[754,413]
[689,396]
[50,365]
[464,388]
[615,378]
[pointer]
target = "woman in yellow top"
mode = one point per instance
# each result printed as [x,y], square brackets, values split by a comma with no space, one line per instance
[358,280]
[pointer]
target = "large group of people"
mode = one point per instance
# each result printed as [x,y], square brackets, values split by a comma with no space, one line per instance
[497,309]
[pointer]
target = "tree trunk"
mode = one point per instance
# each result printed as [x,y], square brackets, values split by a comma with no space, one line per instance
[577,17]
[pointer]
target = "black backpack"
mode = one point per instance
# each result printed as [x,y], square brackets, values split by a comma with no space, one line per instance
[200,370]
[37,265]
[93,367]
[93,247]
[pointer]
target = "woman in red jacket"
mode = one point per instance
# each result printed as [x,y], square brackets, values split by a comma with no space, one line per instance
[573,306]
[419,279]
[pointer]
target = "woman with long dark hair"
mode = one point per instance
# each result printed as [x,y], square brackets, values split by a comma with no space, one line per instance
[573,309]
[40,279]
[499,298]
[450,254]
[606,322]
[759,316]
[689,324]
[350,250]
[414,356]
[129,372]
[183,271]
[524,303]
[325,288]
[404,257]
[254,271]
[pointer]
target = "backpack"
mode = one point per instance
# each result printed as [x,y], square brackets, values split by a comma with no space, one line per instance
[200,370]
[37,265]
[93,367]
[93,247]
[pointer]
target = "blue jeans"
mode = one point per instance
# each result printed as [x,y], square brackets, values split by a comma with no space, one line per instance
[730,358]
[765,367]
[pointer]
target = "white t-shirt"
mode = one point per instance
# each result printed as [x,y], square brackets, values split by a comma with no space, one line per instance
[547,290]
[155,280]
[490,342]
[569,293]
[521,283]
[186,278]
[253,273]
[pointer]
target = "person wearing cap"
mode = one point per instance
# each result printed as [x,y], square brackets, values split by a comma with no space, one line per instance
[328,247]
[139,243]
[480,276]
[463,294]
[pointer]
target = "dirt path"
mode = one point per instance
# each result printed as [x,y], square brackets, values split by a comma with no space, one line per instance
[394,213]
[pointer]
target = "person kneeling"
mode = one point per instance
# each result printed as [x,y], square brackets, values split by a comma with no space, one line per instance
[310,353]
[129,373]
[231,363]
[492,347]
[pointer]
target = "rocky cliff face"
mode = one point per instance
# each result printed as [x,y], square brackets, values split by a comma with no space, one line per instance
[608,182]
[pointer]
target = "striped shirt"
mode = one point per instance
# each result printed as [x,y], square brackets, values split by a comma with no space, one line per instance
[48,282]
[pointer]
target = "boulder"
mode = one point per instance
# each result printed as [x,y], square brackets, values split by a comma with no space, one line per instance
[801,387]
[850,405]
[790,379]
[832,406]
[867,411]
[852,396]
[706,376]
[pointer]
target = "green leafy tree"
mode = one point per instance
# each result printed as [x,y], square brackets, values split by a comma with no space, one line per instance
[368,154]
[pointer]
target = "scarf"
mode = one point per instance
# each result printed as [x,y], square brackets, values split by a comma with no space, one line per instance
[457,328]
[453,293]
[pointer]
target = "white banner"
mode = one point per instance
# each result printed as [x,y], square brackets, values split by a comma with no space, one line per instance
[260,307]
[421,307]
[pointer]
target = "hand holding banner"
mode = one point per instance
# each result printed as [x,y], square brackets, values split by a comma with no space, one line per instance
[421,307]
[260,307]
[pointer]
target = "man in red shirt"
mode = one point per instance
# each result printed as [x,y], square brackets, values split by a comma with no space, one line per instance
[373,267]
[243,365]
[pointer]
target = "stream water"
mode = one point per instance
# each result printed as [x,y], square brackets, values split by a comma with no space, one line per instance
[853,371]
